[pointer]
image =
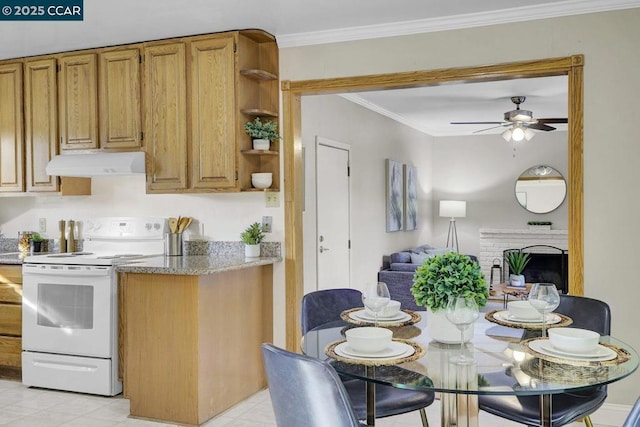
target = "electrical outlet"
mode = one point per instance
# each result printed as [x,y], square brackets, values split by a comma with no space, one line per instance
[42,225]
[272,199]
[266,224]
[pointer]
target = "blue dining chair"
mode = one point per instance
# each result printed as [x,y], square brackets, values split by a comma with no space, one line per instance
[324,307]
[306,391]
[633,419]
[587,313]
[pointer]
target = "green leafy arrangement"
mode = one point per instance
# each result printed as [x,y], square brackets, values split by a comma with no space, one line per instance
[262,130]
[36,237]
[253,235]
[446,275]
[517,261]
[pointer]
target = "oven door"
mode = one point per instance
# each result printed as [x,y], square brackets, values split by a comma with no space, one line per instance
[69,309]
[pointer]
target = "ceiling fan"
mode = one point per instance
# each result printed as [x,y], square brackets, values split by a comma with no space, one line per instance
[520,122]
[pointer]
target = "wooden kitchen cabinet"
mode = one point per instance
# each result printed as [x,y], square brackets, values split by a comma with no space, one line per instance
[232,79]
[119,99]
[40,122]
[165,113]
[212,97]
[10,321]
[11,130]
[78,101]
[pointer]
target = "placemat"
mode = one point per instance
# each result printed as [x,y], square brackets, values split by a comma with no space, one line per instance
[564,321]
[419,352]
[622,356]
[415,318]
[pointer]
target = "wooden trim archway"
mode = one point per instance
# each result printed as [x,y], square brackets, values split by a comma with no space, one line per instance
[572,66]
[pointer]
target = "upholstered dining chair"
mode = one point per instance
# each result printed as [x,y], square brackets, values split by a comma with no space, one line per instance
[633,419]
[325,306]
[306,391]
[587,313]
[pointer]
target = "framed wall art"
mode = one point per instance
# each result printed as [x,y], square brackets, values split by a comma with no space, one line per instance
[394,196]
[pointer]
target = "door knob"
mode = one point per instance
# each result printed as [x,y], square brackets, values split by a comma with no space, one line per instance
[323,249]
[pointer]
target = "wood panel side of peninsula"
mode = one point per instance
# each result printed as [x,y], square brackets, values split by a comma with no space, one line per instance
[191,344]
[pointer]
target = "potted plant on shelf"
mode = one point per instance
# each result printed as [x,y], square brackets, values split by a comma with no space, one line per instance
[252,236]
[440,278]
[517,261]
[262,133]
[35,242]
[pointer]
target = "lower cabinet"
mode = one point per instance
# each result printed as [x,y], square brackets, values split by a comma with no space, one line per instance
[10,321]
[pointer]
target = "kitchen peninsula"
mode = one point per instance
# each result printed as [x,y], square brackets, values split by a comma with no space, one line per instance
[190,334]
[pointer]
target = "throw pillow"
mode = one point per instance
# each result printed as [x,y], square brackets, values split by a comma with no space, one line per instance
[419,258]
[438,251]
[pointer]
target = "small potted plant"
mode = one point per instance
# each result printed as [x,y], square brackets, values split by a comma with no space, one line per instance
[262,133]
[517,261]
[35,242]
[252,236]
[440,278]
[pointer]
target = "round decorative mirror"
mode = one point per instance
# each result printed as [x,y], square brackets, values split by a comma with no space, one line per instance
[541,189]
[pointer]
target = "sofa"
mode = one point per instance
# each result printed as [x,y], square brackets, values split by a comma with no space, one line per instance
[398,269]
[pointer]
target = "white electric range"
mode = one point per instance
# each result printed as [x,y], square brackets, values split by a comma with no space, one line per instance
[70,306]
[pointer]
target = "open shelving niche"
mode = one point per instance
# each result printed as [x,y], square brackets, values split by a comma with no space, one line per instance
[258,97]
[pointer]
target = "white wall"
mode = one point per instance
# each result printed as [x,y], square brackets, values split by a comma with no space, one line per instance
[483,169]
[373,138]
[224,215]
[611,89]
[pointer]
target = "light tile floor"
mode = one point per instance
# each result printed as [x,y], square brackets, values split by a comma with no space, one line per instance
[31,407]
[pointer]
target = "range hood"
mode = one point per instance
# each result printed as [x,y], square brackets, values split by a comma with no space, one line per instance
[92,164]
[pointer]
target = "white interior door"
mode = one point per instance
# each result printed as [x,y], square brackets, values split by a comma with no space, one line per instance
[333,216]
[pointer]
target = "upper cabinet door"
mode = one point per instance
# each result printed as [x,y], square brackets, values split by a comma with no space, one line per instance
[41,122]
[78,111]
[213,142]
[120,99]
[11,134]
[165,117]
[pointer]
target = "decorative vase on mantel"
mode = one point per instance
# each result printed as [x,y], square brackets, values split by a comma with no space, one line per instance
[442,330]
[252,251]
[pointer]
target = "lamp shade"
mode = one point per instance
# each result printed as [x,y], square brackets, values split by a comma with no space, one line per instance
[453,208]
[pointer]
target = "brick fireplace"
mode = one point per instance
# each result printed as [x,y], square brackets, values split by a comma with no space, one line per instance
[494,241]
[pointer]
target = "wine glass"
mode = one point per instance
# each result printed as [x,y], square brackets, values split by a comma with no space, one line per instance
[375,297]
[462,312]
[544,298]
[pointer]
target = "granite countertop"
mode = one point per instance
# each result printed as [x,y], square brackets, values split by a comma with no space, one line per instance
[195,265]
[12,257]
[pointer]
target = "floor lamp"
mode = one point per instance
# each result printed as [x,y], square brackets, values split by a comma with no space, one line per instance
[453,209]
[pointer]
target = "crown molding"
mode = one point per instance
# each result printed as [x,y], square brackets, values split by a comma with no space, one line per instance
[504,16]
[378,109]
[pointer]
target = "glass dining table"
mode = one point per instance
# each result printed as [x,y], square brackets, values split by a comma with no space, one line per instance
[506,361]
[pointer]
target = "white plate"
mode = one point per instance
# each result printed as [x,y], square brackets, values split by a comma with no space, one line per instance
[600,354]
[394,351]
[504,316]
[362,315]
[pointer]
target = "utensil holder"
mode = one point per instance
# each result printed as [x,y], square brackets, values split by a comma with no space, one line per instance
[173,244]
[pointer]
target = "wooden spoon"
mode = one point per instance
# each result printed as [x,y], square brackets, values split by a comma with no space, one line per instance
[173,224]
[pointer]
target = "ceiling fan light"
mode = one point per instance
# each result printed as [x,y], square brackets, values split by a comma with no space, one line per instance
[517,134]
[507,135]
[528,134]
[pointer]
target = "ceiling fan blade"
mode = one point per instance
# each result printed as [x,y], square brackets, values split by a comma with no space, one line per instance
[552,120]
[476,123]
[540,126]
[492,127]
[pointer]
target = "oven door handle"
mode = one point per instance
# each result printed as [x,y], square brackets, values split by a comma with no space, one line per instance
[66,270]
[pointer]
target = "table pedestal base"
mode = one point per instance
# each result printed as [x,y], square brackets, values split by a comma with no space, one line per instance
[460,410]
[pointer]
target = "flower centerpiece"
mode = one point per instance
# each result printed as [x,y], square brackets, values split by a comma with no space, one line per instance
[262,133]
[517,261]
[252,236]
[440,278]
